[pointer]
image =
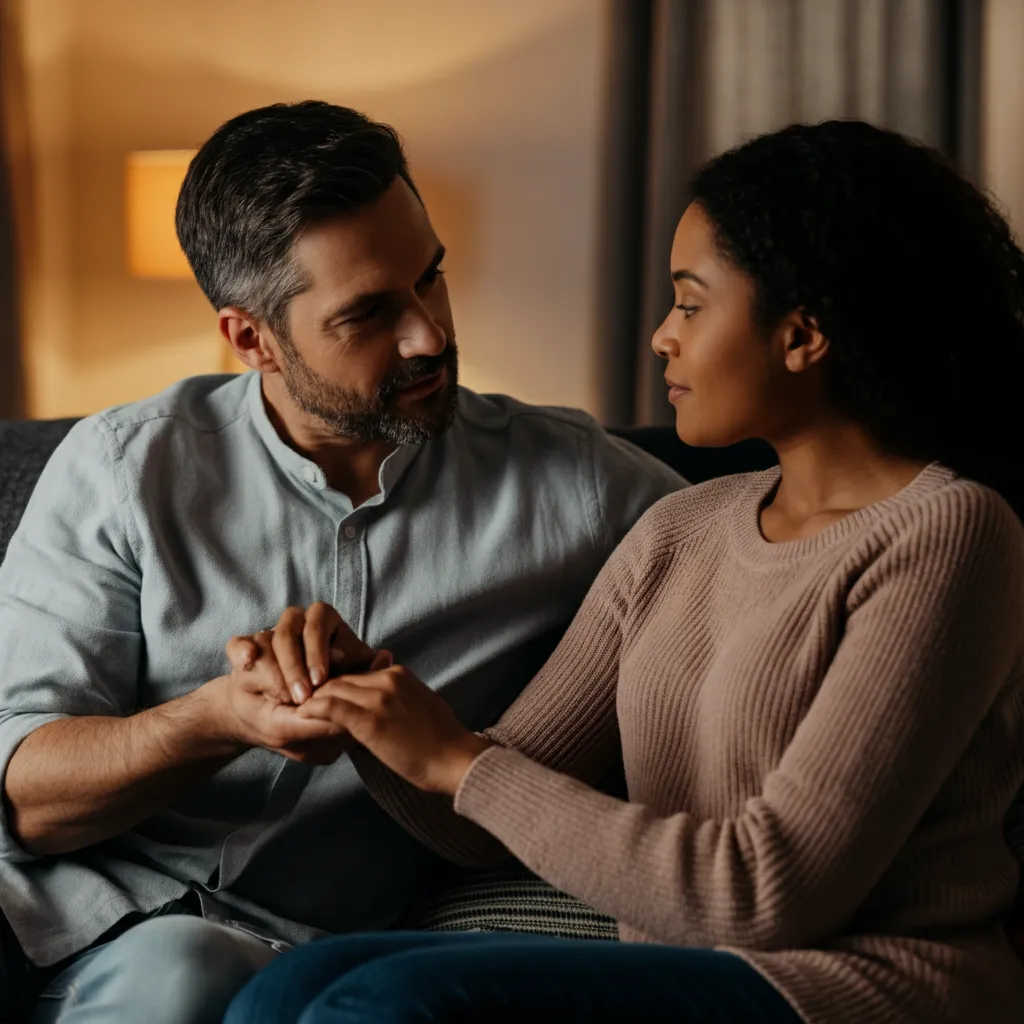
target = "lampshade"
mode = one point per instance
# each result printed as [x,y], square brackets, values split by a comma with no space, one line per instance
[152,181]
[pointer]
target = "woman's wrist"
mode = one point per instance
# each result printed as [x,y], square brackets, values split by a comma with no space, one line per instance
[459,759]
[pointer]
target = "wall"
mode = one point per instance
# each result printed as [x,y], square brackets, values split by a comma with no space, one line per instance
[497,102]
[1003,106]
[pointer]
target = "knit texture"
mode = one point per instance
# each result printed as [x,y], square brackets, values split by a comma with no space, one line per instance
[821,741]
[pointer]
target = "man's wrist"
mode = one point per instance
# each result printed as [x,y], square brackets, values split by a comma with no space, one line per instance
[207,722]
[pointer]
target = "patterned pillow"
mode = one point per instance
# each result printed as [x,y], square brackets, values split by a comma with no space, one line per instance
[507,898]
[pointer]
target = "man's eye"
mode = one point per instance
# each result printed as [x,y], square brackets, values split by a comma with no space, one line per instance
[429,279]
[366,315]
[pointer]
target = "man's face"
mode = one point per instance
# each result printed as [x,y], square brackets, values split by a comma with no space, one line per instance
[371,348]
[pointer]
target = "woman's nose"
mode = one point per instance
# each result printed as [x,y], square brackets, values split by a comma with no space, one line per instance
[663,343]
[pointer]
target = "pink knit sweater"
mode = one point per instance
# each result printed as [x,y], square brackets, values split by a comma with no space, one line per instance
[821,739]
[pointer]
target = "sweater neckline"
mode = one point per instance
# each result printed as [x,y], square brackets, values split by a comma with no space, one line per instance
[752,545]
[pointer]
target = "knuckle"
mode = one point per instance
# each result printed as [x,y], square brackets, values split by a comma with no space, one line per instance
[291,615]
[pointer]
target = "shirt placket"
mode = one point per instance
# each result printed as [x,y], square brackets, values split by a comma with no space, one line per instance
[348,588]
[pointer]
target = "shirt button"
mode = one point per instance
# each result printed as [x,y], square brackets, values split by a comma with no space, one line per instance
[350,532]
[312,476]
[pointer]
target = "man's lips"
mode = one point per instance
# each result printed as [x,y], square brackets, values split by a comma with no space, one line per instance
[424,386]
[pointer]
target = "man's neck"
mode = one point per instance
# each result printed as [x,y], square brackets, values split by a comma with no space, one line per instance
[351,467]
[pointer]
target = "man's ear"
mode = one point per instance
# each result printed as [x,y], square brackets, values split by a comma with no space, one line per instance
[249,338]
[802,342]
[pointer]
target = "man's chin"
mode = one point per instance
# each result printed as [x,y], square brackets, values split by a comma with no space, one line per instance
[432,417]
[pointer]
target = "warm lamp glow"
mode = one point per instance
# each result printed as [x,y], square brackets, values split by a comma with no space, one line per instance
[152,182]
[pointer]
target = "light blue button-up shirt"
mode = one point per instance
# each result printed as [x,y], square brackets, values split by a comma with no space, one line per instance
[160,529]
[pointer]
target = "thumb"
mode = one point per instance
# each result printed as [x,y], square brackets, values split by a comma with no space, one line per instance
[243,653]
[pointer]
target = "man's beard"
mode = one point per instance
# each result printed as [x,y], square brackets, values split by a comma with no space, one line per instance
[347,414]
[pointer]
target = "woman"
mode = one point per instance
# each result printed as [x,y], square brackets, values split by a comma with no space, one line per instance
[815,674]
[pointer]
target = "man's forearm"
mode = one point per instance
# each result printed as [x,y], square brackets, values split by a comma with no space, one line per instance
[77,781]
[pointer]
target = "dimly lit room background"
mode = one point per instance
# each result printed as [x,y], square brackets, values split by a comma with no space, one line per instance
[551,140]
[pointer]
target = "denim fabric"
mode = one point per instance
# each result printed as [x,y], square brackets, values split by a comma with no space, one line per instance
[171,969]
[407,978]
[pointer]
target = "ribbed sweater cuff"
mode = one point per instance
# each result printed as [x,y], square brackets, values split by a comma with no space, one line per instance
[519,802]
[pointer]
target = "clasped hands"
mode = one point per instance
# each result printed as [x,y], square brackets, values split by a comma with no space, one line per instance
[310,689]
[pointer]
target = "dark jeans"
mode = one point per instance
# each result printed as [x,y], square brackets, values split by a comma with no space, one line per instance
[407,977]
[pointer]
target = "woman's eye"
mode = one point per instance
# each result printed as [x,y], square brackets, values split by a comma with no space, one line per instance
[688,311]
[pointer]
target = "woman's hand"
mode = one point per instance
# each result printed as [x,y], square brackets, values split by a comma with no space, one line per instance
[305,647]
[402,722]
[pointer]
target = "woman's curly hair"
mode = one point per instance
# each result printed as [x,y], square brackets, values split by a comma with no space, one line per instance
[911,273]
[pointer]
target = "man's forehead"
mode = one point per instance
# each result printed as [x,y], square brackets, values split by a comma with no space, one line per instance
[362,252]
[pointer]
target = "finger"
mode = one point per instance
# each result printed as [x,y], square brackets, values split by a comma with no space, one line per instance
[322,622]
[264,675]
[381,660]
[242,653]
[291,654]
[347,714]
[348,652]
[288,728]
[352,690]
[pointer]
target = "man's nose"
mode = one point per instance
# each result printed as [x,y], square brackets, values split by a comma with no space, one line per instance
[423,335]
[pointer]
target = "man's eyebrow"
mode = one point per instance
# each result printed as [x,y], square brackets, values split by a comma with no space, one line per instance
[361,301]
[688,275]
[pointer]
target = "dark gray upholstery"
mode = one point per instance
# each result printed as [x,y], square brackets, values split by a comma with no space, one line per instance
[25,445]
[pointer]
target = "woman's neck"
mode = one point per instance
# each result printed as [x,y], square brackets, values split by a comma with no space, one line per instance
[829,471]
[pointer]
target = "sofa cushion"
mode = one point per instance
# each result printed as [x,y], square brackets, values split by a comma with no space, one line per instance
[25,445]
[506,898]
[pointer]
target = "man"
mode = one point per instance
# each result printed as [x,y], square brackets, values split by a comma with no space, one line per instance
[168,827]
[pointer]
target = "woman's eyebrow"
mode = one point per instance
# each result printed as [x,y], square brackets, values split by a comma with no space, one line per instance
[688,275]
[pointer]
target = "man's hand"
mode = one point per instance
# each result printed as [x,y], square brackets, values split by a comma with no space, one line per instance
[274,670]
[305,648]
[402,722]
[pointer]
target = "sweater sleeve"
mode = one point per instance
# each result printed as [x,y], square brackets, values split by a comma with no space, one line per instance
[564,719]
[931,643]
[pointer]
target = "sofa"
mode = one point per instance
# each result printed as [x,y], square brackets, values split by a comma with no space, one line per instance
[507,897]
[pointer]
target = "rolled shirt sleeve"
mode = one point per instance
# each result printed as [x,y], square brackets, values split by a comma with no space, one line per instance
[69,600]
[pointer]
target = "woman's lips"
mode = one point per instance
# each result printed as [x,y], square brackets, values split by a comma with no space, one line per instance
[676,391]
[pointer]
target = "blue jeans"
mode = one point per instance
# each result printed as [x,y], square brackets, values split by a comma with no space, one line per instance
[177,969]
[413,977]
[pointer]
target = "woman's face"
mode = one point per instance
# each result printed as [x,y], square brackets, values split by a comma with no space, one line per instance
[727,378]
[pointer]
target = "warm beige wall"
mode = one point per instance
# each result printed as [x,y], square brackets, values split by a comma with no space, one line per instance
[497,101]
[1003,106]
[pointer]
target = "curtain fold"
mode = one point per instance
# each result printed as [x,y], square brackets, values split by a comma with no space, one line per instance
[721,71]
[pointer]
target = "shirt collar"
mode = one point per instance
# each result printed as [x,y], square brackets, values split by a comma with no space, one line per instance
[306,472]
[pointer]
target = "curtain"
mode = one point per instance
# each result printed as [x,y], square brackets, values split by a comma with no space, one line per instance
[689,78]
[13,180]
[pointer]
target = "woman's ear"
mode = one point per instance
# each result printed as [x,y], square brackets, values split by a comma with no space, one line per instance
[803,345]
